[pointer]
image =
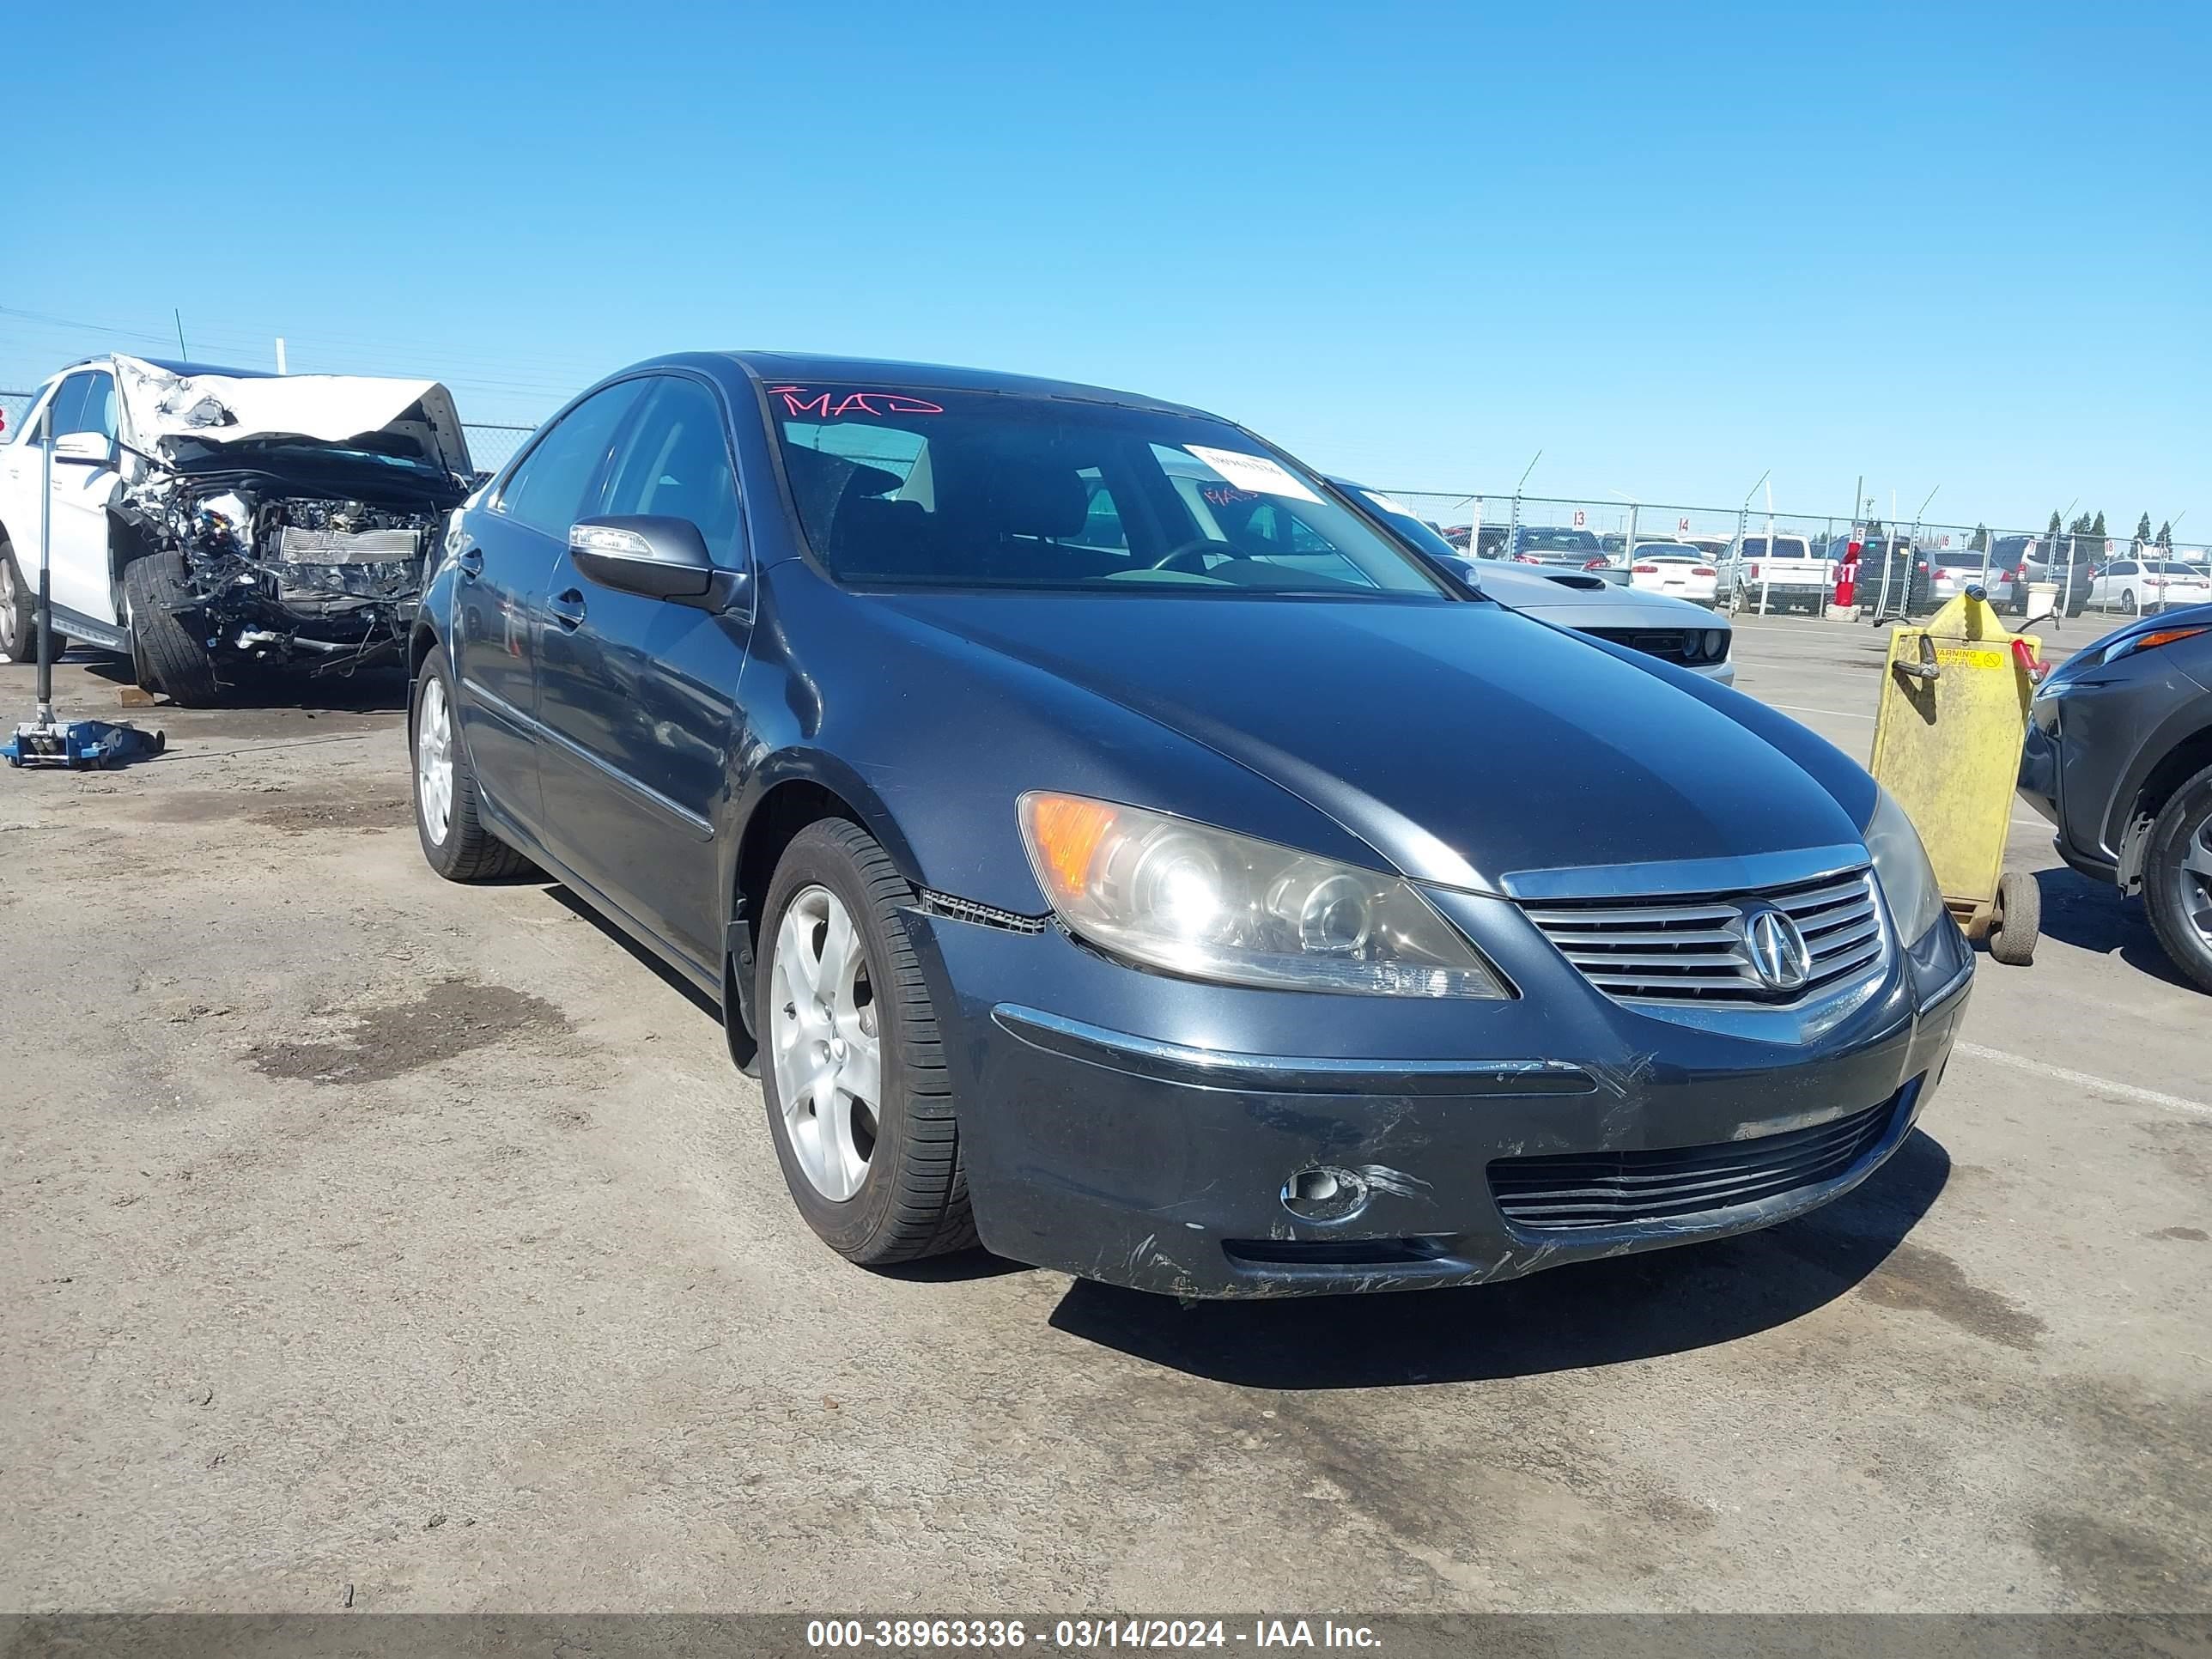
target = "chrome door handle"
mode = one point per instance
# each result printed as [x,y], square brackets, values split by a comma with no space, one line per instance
[471,563]
[568,609]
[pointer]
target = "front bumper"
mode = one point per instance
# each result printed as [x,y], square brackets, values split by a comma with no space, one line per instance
[1158,1140]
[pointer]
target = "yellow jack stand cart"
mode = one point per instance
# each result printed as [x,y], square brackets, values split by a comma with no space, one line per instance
[1947,744]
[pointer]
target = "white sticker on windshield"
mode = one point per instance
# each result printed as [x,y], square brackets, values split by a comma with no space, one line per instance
[1254,472]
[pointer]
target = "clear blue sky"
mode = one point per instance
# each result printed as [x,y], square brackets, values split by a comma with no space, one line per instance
[1672,245]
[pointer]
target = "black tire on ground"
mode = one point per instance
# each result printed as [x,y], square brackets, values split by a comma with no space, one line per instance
[19,611]
[2180,899]
[165,644]
[913,1200]
[2020,918]
[467,851]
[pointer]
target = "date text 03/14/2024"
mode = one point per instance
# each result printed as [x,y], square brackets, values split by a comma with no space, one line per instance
[1083,1635]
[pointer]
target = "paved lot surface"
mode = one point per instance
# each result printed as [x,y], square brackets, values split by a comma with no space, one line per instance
[368,1235]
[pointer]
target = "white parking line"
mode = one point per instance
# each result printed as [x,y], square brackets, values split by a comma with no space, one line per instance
[1799,708]
[2084,1080]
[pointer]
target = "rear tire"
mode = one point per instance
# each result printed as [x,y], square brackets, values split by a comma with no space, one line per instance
[911,1197]
[2020,918]
[168,653]
[19,611]
[454,836]
[2177,878]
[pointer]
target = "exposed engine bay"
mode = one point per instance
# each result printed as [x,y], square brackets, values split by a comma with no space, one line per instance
[292,577]
[302,508]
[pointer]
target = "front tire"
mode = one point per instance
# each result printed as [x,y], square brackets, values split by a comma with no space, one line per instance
[166,653]
[2177,878]
[454,839]
[851,1063]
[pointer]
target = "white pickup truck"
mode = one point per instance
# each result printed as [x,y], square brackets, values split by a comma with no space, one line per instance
[1787,574]
[203,517]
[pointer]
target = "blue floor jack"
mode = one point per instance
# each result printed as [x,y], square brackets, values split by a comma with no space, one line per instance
[79,745]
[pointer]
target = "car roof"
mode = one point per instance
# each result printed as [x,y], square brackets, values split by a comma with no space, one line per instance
[176,365]
[804,367]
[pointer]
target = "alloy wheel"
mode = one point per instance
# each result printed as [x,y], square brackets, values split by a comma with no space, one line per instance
[825,1042]
[2192,875]
[434,759]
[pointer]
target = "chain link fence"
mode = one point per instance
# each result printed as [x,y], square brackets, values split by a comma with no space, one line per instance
[1929,562]
[1763,560]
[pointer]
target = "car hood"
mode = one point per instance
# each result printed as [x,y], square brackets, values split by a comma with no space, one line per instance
[1597,604]
[168,415]
[1461,742]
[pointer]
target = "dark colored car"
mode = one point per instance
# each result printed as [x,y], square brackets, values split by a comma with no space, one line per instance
[1563,547]
[1120,848]
[1905,590]
[1489,541]
[2119,758]
[2066,563]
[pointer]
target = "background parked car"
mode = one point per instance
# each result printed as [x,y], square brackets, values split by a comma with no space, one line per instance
[2027,560]
[1905,590]
[2139,587]
[1565,549]
[1671,629]
[1783,571]
[1673,568]
[2119,758]
[205,518]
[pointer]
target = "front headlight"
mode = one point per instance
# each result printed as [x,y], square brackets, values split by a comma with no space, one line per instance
[1193,900]
[1900,864]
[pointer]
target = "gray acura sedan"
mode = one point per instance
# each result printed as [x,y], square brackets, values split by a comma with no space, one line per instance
[1111,843]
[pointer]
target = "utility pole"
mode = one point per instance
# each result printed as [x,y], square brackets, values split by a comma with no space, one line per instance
[281,370]
[1513,535]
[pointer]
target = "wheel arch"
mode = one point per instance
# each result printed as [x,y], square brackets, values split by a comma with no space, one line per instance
[2182,757]
[791,790]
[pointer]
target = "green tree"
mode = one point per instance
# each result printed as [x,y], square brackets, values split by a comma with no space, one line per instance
[2142,528]
[2166,535]
[2054,525]
[1979,541]
[2097,531]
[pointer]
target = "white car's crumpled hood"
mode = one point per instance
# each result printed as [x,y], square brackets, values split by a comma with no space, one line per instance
[159,406]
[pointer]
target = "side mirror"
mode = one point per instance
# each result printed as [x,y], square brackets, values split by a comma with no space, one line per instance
[1464,572]
[662,558]
[85,448]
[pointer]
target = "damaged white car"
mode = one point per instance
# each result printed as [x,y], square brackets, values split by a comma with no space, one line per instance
[206,520]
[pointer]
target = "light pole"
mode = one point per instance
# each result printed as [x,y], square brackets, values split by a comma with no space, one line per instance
[1628,545]
[1735,553]
[1513,534]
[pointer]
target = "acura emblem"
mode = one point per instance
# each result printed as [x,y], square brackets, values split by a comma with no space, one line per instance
[1775,948]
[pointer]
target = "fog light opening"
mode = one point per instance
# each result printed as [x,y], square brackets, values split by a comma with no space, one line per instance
[1320,1194]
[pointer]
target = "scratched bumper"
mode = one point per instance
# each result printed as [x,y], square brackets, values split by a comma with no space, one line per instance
[1129,1127]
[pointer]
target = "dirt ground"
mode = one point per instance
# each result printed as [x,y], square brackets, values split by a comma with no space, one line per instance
[373,1241]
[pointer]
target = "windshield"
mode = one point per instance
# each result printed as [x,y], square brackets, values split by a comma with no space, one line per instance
[952,488]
